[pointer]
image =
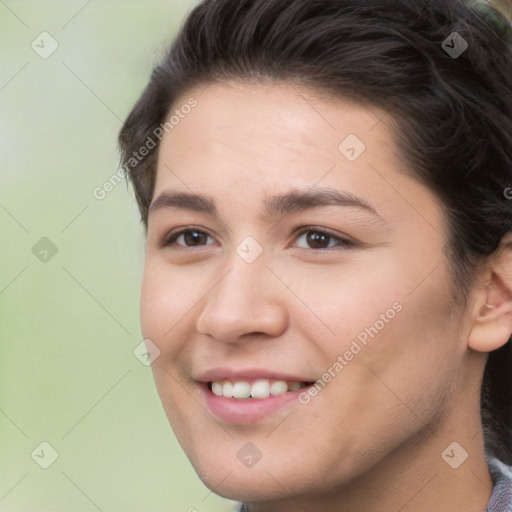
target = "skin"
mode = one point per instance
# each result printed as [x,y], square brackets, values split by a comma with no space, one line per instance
[373,437]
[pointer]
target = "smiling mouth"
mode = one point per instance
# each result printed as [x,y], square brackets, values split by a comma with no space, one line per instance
[259,388]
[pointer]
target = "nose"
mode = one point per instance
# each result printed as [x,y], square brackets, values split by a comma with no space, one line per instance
[247,301]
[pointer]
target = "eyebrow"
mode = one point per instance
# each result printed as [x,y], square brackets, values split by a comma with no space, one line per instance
[278,205]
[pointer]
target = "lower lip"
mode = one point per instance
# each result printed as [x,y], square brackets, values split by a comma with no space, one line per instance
[246,411]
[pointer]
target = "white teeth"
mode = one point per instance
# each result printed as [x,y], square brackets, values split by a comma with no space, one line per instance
[279,387]
[241,390]
[227,389]
[260,388]
[217,388]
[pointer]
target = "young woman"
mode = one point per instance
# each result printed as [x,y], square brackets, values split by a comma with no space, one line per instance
[327,191]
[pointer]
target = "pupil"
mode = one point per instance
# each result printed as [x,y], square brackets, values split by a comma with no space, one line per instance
[316,239]
[194,237]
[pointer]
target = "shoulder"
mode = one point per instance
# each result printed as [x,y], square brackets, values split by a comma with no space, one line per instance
[501,499]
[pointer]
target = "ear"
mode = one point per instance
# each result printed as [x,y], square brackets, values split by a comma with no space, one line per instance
[491,319]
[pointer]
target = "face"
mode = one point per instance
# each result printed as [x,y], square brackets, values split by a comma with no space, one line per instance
[295,266]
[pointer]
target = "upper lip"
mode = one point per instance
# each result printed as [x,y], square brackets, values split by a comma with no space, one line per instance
[226,373]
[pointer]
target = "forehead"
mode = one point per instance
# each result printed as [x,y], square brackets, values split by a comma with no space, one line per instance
[251,141]
[267,128]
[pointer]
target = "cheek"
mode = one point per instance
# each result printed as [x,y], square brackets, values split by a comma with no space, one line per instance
[154,306]
[164,303]
[389,319]
[414,359]
[166,298]
[362,294]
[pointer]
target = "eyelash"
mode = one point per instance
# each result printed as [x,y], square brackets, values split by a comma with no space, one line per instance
[344,243]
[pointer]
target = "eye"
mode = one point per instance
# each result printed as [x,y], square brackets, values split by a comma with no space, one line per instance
[309,238]
[189,237]
[319,239]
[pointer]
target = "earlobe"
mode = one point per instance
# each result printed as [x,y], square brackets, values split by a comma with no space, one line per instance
[492,314]
[492,327]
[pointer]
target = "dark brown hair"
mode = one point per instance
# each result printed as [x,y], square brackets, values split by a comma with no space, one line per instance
[452,113]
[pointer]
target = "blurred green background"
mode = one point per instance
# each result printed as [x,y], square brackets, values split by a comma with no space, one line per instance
[71,264]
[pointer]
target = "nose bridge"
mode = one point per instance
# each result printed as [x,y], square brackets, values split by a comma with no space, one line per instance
[242,286]
[243,300]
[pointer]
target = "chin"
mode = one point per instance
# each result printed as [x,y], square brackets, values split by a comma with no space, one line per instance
[248,487]
[262,482]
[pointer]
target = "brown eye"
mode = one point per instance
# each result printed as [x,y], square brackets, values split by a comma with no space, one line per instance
[187,238]
[316,239]
[194,237]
